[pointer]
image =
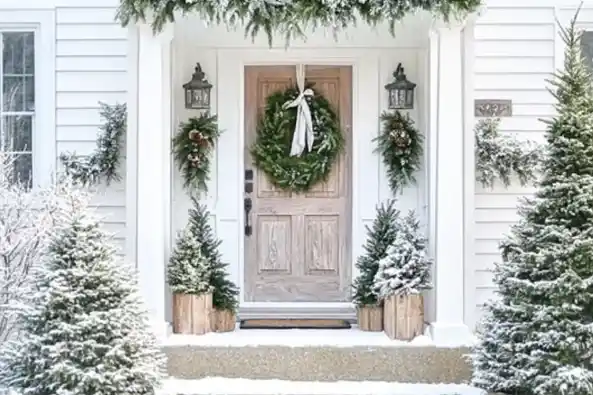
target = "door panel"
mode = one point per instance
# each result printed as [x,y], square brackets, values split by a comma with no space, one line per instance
[299,249]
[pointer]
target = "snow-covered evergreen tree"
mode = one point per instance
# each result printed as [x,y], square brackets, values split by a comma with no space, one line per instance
[189,271]
[26,219]
[84,330]
[379,237]
[224,291]
[405,269]
[536,337]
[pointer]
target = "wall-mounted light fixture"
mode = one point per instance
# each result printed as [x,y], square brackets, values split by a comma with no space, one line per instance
[197,91]
[401,91]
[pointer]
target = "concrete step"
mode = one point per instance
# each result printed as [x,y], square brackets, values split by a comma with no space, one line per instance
[230,386]
[314,355]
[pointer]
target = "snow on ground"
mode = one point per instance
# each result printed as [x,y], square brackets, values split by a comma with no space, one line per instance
[228,386]
[296,338]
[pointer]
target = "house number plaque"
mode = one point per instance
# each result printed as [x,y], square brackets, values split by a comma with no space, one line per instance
[493,108]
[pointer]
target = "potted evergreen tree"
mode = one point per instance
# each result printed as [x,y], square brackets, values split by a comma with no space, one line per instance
[403,274]
[189,278]
[224,291]
[379,237]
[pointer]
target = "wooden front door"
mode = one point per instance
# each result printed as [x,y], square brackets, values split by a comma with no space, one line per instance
[299,249]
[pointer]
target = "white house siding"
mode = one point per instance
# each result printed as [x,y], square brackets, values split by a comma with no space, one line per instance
[90,67]
[516,50]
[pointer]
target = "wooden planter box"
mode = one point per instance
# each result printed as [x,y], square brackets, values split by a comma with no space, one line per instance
[403,316]
[370,318]
[191,313]
[223,320]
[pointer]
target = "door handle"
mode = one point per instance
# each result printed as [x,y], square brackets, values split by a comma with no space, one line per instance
[247,205]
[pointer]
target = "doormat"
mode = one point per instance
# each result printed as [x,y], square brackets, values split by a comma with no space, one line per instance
[294,324]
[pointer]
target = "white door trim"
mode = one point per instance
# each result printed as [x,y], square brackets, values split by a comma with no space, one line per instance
[365,83]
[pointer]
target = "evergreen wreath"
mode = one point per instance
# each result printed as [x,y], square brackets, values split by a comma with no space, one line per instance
[290,18]
[501,157]
[103,163]
[192,149]
[400,145]
[274,136]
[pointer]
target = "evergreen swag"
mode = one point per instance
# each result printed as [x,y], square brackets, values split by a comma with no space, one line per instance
[103,163]
[500,157]
[224,291]
[380,237]
[400,145]
[536,336]
[271,150]
[290,18]
[189,271]
[405,269]
[83,328]
[192,149]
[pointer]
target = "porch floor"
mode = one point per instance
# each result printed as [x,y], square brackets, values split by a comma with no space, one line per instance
[352,337]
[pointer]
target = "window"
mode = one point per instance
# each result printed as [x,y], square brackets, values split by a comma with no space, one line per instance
[587,47]
[17,111]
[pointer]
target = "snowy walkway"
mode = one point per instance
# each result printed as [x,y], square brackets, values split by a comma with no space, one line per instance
[227,386]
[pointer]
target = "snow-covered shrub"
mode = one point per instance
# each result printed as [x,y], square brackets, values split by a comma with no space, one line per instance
[83,329]
[189,271]
[26,219]
[405,270]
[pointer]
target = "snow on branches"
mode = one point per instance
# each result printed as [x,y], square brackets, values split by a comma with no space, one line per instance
[291,18]
[189,271]
[26,220]
[83,329]
[380,237]
[405,270]
[536,335]
[103,163]
[500,157]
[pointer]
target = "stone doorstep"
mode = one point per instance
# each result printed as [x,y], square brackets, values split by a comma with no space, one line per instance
[314,355]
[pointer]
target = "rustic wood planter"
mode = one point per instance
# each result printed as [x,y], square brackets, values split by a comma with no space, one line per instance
[223,320]
[191,313]
[403,316]
[370,318]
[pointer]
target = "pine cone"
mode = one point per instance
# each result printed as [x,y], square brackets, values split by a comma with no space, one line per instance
[401,138]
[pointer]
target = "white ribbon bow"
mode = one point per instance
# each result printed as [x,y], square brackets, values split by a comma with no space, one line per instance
[303,128]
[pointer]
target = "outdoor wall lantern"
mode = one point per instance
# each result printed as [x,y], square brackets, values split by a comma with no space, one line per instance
[401,91]
[197,91]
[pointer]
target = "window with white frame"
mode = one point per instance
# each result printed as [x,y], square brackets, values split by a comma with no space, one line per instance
[17,111]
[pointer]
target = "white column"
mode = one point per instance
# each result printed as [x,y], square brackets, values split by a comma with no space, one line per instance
[153,178]
[447,185]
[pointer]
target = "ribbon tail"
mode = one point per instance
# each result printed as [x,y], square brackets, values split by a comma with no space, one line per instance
[308,129]
[297,138]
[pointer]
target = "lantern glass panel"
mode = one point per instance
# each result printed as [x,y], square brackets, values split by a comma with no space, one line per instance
[199,98]
[188,98]
[410,98]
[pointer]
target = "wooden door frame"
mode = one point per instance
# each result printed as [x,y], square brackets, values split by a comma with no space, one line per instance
[365,83]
